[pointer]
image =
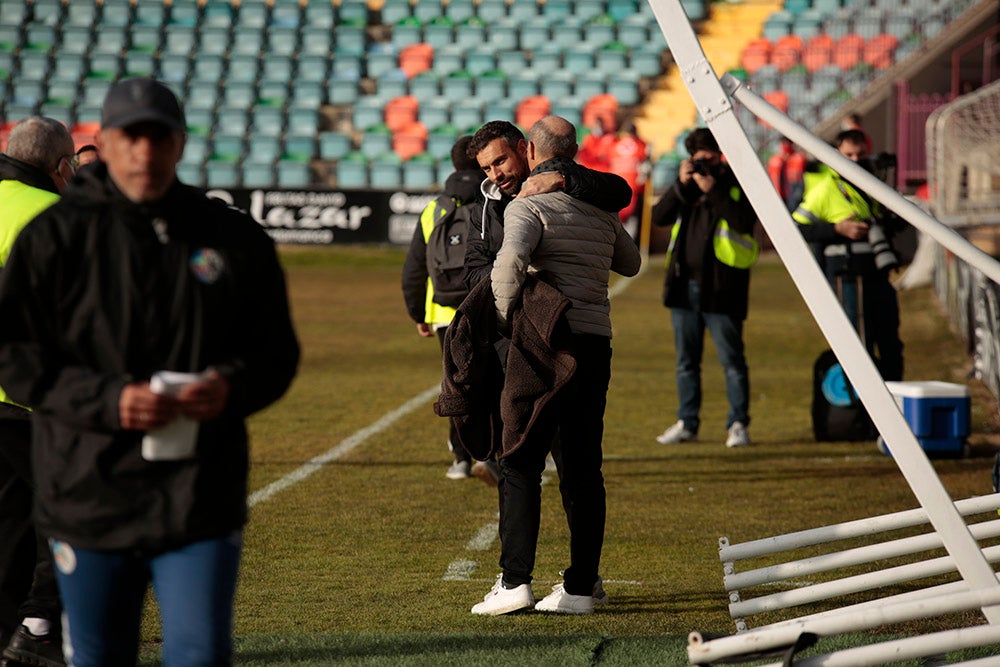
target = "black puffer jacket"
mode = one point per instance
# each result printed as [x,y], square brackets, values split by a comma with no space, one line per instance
[99,292]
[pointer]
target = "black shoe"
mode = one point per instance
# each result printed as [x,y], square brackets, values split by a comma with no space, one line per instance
[36,651]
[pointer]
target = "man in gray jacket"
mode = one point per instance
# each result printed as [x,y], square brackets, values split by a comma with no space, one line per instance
[573,246]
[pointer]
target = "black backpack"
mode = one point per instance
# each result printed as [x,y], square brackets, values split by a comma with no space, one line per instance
[446,252]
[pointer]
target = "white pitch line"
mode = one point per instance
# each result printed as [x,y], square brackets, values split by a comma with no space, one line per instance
[344,447]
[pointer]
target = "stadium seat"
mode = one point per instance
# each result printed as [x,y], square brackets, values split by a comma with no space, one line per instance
[407,31]
[267,119]
[350,37]
[880,51]
[523,11]
[557,85]
[391,84]
[646,60]
[264,149]
[546,58]
[440,141]
[611,58]
[354,11]
[599,29]
[251,15]
[286,15]
[425,86]
[191,173]
[213,40]
[756,54]
[416,58]
[848,51]
[570,108]
[457,85]
[385,171]
[467,115]
[586,87]
[334,145]
[625,87]
[375,140]
[352,171]
[491,10]
[257,174]
[524,84]
[293,174]
[491,85]
[318,15]
[867,22]
[382,58]
[428,10]
[410,140]
[470,32]
[602,106]
[578,60]
[479,60]
[434,112]
[534,32]
[818,52]
[502,109]
[393,11]
[302,121]
[221,174]
[531,109]
[787,52]
[586,9]
[634,30]
[301,148]
[401,111]
[439,32]
[503,34]
[312,68]
[226,146]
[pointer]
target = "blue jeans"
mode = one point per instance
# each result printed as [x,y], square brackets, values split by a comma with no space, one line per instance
[689,339]
[103,592]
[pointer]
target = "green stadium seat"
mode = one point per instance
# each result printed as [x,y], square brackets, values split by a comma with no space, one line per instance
[352,170]
[386,171]
[264,149]
[425,86]
[420,172]
[221,174]
[294,174]
[258,175]
[334,145]
[470,32]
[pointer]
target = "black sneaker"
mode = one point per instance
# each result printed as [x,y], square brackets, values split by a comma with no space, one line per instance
[36,651]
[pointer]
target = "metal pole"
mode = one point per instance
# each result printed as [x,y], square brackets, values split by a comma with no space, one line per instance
[716,109]
[857,174]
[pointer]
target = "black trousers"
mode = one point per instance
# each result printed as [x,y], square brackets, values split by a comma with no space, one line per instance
[27,581]
[577,414]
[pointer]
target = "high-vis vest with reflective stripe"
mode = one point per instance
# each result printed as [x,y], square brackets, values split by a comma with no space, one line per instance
[434,313]
[732,248]
[20,204]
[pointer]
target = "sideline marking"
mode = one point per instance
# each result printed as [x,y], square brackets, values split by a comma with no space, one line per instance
[344,447]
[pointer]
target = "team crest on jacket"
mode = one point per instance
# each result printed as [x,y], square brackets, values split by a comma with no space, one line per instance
[207,265]
[64,557]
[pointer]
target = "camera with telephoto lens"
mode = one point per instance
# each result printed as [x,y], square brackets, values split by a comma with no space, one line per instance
[882,252]
[879,162]
[703,167]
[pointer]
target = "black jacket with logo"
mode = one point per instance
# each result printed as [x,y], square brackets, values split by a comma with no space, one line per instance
[98,292]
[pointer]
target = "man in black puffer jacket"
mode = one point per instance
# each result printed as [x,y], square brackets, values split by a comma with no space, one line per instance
[131,274]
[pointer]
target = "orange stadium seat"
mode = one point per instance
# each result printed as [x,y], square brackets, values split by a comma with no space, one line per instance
[532,109]
[401,111]
[756,54]
[410,140]
[600,106]
[787,52]
[416,58]
[818,53]
[880,51]
[849,51]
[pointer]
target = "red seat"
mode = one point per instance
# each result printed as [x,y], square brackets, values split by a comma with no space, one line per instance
[410,140]
[532,109]
[849,51]
[880,50]
[756,54]
[416,58]
[401,111]
[787,52]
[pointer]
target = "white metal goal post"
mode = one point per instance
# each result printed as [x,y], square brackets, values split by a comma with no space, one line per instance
[714,101]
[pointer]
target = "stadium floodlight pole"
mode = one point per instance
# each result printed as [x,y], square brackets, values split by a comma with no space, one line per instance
[715,107]
[858,175]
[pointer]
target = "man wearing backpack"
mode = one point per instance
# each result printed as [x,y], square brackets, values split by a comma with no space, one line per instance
[433,273]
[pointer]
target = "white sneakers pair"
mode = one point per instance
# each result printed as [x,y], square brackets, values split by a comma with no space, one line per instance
[738,435]
[502,600]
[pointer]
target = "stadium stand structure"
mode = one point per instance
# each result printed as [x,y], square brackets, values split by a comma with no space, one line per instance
[313,82]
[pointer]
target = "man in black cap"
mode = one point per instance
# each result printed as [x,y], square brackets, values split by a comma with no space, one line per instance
[143,322]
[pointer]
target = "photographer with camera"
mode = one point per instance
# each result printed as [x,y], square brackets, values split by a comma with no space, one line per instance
[852,237]
[708,282]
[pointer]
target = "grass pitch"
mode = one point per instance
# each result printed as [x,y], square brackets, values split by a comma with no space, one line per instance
[355,564]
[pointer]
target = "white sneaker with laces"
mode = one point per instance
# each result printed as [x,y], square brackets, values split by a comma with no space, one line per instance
[458,470]
[502,600]
[676,433]
[738,435]
[561,602]
[600,595]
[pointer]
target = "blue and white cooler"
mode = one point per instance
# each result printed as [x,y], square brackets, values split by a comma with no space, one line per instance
[938,414]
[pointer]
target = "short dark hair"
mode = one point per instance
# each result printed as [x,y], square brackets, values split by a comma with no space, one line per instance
[460,158]
[853,136]
[701,139]
[495,129]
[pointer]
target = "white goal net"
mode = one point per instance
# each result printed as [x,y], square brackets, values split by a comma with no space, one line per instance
[963,159]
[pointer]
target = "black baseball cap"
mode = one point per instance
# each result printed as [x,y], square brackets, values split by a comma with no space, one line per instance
[141,100]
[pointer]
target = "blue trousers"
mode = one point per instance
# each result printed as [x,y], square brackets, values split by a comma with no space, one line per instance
[689,339]
[103,595]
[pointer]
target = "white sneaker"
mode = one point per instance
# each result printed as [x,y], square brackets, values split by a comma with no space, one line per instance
[561,602]
[502,600]
[738,435]
[458,470]
[487,471]
[600,595]
[676,433]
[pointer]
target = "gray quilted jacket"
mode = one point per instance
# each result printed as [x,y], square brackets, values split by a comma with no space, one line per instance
[572,246]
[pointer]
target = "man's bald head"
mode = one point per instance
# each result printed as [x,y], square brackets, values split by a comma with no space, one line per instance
[551,137]
[41,142]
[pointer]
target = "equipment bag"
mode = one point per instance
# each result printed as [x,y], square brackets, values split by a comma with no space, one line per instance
[837,413]
[446,252]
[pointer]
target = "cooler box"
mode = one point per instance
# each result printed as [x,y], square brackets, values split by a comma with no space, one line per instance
[937,412]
